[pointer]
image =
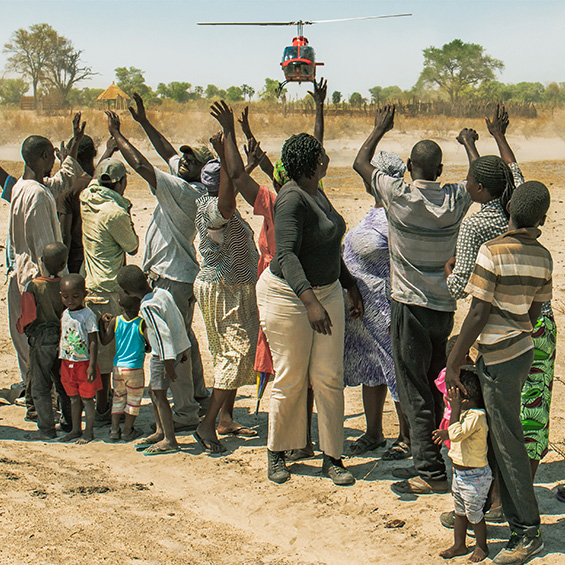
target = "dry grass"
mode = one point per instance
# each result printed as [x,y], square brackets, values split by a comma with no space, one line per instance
[196,126]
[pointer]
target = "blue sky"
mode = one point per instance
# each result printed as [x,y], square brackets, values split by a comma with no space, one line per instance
[161,38]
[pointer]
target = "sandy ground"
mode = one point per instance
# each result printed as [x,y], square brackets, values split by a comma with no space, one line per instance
[105,503]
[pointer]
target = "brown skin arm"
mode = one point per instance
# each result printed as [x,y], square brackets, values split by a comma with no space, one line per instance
[468,138]
[265,164]
[111,148]
[317,315]
[384,121]
[159,142]
[93,349]
[319,96]
[497,128]
[134,158]
[226,194]
[170,369]
[534,312]
[472,326]
[78,134]
[233,162]
[106,327]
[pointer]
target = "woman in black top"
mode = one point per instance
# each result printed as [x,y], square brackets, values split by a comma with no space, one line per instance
[301,310]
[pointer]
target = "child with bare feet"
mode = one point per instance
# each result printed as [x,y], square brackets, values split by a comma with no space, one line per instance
[128,378]
[169,341]
[472,476]
[78,351]
[40,320]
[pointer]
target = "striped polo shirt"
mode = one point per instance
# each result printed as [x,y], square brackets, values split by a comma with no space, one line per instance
[511,272]
[424,219]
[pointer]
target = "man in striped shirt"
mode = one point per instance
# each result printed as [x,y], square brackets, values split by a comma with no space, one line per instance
[511,279]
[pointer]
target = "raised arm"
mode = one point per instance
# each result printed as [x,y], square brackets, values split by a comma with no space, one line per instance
[497,128]
[226,192]
[319,95]
[111,148]
[468,138]
[134,158]
[78,134]
[242,181]
[384,121]
[161,145]
[265,164]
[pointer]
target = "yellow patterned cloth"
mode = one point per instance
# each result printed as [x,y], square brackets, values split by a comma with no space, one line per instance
[232,326]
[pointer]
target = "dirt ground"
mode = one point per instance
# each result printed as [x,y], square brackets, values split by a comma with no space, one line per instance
[105,503]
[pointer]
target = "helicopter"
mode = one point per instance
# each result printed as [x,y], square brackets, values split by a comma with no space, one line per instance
[299,59]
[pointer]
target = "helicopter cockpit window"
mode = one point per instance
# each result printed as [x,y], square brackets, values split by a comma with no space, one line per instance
[290,53]
[307,53]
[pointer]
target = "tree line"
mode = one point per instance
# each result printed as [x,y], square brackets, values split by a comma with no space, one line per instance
[455,77]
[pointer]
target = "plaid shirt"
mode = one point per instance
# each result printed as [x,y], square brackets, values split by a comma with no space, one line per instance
[486,224]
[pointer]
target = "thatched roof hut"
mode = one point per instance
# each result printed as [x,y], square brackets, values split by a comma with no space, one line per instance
[115,97]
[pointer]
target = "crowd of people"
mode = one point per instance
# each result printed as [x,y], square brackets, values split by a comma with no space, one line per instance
[314,307]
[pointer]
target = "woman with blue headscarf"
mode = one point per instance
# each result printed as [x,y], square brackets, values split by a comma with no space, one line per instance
[368,350]
[225,291]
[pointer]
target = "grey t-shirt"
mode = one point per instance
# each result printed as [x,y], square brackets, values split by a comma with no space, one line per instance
[424,219]
[169,242]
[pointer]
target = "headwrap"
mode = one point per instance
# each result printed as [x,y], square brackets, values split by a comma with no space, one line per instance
[201,153]
[495,175]
[210,176]
[280,175]
[390,164]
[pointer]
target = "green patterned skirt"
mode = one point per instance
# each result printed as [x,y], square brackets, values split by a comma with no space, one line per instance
[536,392]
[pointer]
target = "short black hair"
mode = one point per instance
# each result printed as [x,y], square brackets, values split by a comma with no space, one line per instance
[300,154]
[494,174]
[426,156]
[33,148]
[132,279]
[54,254]
[529,204]
[86,150]
[74,280]
[470,380]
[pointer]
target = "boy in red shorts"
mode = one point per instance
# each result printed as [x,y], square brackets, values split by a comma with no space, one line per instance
[78,351]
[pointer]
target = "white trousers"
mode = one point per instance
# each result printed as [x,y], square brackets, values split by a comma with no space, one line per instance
[301,355]
[19,340]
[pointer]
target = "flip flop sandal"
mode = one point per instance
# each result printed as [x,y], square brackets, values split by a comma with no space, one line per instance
[364,444]
[242,431]
[397,451]
[212,446]
[417,485]
[143,446]
[148,453]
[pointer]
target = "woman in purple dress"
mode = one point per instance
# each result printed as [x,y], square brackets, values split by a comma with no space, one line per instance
[368,350]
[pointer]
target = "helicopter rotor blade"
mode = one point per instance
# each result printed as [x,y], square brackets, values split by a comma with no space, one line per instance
[248,23]
[361,18]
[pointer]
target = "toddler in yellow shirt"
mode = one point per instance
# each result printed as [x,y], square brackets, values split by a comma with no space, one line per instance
[472,476]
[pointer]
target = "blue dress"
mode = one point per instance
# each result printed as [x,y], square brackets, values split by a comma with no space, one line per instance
[368,348]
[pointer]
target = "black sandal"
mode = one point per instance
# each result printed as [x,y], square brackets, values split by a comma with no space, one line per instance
[397,451]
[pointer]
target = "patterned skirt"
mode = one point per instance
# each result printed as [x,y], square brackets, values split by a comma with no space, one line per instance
[536,392]
[232,324]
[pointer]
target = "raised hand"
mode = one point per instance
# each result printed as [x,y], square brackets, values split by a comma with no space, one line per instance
[499,123]
[320,91]
[224,114]
[61,152]
[384,118]
[244,123]
[467,135]
[138,114]
[454,395]
[254,153]
[111,146]
[217,141]
[78,128]
[113,122]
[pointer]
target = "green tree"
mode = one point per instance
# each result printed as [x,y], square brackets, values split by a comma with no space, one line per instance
[376,94]
[199,91]
[529,92]
[177,91]
[12,89]
[132,80]
[270,91]
[356,100]
[456,66]
[212,91]
[64,68]
[29,52]
[234,94]
[336,97]
[248,91]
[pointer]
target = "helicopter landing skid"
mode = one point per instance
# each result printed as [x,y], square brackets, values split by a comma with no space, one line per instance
[281,84]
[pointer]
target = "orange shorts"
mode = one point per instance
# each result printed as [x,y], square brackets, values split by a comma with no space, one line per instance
[74,379]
